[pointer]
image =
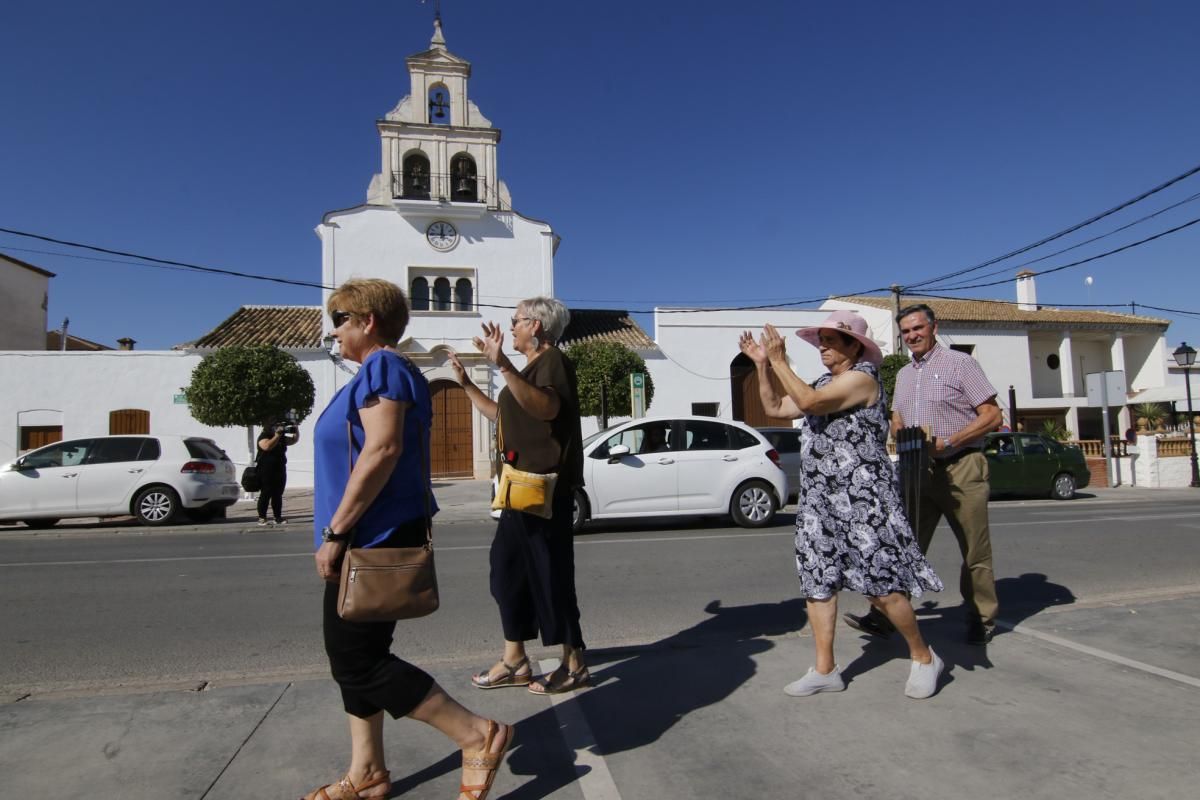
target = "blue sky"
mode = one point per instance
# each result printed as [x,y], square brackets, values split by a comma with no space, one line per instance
[695,152]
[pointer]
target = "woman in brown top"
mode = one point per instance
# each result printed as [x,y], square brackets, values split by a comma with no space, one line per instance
[533,559]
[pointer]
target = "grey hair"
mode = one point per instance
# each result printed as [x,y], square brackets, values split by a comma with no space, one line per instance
[913,309]
[553,315]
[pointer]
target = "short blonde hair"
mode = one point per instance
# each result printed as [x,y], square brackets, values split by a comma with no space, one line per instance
[382,299]
[553,315]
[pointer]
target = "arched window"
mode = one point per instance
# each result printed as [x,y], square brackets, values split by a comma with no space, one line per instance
[419,296]
[462,295]
[415,179]
[439,105]
[463,182]
[441,294]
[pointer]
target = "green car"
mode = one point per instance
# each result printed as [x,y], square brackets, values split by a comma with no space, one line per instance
[1029,464]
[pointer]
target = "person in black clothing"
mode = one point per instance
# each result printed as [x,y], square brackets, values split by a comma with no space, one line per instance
[273,442]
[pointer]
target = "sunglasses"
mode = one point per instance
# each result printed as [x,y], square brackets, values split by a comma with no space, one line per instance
[515,320]
[339,317]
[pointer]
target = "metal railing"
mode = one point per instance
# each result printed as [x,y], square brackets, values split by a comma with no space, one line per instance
[439,186]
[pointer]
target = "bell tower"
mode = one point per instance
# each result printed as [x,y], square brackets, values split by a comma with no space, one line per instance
[436,145]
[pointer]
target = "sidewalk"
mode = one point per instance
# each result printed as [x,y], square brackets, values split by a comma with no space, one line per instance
[703,717]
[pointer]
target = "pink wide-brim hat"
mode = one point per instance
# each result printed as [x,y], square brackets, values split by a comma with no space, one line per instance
[850,323]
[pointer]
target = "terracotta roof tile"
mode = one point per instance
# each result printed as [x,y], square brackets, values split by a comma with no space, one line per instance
[299,327]
[286,327]
[1003,312]
[605,325]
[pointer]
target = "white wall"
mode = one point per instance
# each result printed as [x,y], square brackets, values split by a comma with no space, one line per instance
[78,390]
[698,348]
[23,298]
[1157,473]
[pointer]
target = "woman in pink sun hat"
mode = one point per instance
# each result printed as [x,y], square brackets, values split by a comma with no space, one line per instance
[851,530]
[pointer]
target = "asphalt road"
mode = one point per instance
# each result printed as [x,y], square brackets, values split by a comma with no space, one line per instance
[99,608]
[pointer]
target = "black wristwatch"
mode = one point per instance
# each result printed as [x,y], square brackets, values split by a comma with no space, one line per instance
[327,535]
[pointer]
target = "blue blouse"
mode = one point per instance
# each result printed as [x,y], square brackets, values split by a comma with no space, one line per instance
[402,499]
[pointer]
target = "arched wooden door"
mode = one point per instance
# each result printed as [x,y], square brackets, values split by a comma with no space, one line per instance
[747,405]
[451,451]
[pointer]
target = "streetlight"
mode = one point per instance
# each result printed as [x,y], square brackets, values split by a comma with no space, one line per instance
[1185,357]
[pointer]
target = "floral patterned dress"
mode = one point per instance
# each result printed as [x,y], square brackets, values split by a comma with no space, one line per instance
[851,531]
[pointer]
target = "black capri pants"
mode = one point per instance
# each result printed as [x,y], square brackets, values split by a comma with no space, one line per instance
[370,676]
[533,576]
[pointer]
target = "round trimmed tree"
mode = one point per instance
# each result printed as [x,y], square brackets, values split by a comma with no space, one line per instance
[247,385]
[609,365]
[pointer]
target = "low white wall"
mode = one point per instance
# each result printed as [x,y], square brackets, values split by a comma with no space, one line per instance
[1160,473]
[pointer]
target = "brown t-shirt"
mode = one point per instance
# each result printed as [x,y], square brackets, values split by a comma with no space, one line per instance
[546,446]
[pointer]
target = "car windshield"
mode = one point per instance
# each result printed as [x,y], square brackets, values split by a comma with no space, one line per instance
[205,448]
[599,434]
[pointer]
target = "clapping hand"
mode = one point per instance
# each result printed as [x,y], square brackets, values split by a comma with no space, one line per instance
[491,344]
[773,344]
[753,350]
[460,372]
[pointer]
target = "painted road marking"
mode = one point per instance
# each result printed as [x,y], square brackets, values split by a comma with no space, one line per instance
[597,782]
[1142,666]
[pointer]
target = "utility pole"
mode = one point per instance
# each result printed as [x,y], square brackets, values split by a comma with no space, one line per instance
[897,342]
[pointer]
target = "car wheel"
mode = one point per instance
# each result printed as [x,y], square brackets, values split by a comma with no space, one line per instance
[753,505]
[40,524]
[1064,486]
[156,505]
[579,511]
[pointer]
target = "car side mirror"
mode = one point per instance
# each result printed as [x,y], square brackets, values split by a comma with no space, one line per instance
[617,452]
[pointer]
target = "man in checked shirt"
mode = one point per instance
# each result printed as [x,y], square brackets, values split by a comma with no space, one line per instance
[947,392]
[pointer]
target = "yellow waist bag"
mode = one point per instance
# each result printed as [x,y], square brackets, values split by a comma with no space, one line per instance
[527,492]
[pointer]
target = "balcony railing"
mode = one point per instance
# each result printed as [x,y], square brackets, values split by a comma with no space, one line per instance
[439,186]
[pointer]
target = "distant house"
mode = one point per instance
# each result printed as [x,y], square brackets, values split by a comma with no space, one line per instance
[1044,354]
[24,295]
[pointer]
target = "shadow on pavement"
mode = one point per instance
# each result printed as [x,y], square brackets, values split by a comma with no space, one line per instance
[1026,596]
[638,694]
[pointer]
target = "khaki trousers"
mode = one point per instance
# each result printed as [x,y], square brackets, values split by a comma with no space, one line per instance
[959,491]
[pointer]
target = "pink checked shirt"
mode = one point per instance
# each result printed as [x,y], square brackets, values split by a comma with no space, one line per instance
[942,391]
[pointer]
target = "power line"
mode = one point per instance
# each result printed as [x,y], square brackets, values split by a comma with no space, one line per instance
[1062,233]
[1121,249]
[1009,269]
[161,263]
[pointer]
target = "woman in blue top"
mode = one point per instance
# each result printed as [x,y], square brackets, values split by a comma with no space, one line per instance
[372,486]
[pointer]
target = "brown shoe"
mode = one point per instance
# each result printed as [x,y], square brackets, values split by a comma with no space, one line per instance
[561,681]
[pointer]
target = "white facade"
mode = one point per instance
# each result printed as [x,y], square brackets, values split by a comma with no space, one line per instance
[449,237]
[77,390]
[24,297]
[698,349]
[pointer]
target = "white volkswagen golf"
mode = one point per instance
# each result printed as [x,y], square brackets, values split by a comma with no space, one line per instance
[667,466]
[154,478]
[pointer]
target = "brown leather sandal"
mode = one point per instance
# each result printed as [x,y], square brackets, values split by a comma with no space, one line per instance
[484,680]
[571,681]
[345,790]
[485,759]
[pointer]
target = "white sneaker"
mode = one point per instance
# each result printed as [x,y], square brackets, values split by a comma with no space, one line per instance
[923,678]
[262,523]
[814,682]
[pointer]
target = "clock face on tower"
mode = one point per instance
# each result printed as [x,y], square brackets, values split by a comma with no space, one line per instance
[441,235]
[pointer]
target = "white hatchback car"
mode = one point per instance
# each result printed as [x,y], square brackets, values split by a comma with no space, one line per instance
[154,478]
[669,466]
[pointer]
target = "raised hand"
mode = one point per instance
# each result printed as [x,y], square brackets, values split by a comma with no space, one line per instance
[773,344]
[460,372]
[491,344]
[753,350]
